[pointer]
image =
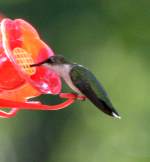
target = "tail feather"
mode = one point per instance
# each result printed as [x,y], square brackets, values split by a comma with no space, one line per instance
[102,105]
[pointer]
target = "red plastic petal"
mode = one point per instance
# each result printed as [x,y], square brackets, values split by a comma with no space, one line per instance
[40,51]
[19,33]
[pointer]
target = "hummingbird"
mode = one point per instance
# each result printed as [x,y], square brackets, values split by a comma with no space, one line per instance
[82,81]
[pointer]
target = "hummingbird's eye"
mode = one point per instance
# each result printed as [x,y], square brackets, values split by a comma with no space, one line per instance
[52,60]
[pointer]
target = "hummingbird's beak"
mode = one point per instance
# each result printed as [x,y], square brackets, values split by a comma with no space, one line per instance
[38,64]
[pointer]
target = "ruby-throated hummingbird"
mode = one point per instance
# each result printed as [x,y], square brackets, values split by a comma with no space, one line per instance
[82,81]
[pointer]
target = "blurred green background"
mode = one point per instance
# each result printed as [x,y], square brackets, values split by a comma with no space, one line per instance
[112,39]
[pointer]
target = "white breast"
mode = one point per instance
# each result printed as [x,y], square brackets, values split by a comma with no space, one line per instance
[63,71]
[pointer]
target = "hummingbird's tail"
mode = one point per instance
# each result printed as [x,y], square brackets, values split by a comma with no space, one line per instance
[102,104]
[107,109]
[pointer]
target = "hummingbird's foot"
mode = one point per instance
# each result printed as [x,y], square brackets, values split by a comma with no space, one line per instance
[80,97]
[72,96]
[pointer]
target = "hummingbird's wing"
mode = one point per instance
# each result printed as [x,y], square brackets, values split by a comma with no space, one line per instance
[87,83]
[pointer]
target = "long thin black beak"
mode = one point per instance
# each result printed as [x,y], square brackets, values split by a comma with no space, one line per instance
[38,64]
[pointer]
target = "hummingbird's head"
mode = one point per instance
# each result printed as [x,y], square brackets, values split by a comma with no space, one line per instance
[52,61]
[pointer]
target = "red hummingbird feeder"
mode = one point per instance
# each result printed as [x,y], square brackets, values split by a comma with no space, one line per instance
[21,46]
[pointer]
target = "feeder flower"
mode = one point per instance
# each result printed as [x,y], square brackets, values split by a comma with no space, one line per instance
[21,46]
